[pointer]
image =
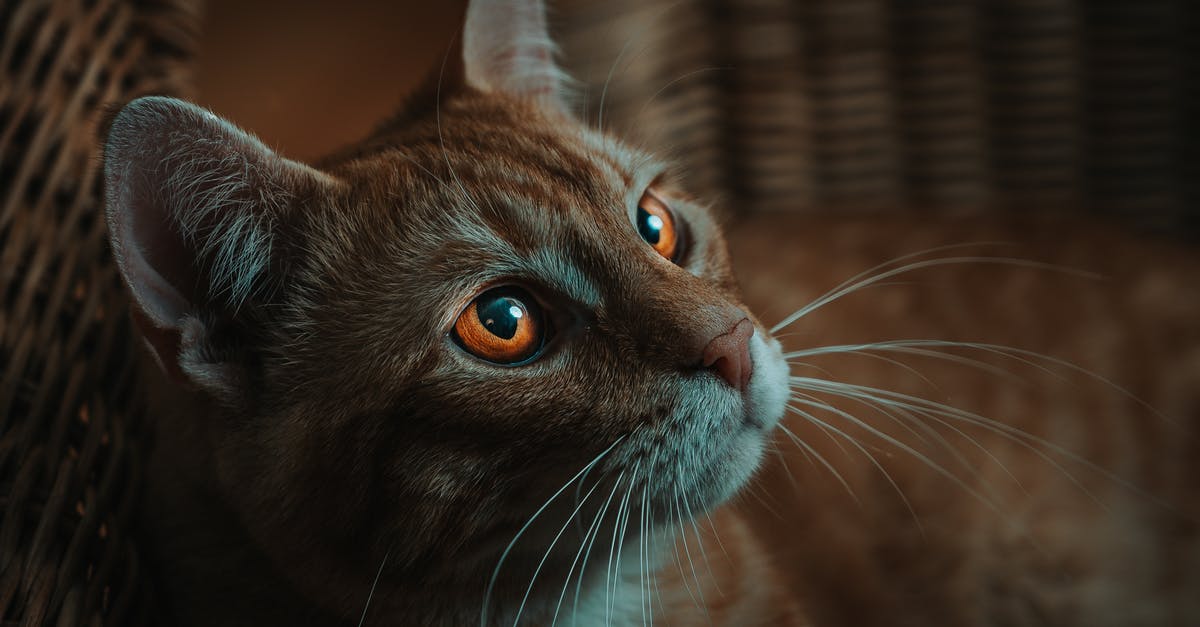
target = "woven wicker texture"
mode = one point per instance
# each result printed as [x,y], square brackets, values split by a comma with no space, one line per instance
[68,468]
[804,105]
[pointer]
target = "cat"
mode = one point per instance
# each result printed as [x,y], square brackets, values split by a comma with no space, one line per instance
[383,374]
[491,366]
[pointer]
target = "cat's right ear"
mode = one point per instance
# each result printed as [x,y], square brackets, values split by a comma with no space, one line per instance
[195,210]
[506,48]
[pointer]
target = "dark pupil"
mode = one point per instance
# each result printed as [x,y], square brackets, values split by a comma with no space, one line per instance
[496,315]
[649,225]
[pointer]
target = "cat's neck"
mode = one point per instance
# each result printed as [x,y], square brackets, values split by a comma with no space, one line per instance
[206,556]
[713,572]
[204,552]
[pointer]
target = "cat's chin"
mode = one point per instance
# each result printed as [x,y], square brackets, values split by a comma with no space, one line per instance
[764,402]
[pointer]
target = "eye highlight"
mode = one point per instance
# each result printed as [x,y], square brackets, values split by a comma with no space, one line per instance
[503,325]
[656,224]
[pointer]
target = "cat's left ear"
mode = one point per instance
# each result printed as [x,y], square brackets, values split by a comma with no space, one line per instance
[507,49]
[201,217]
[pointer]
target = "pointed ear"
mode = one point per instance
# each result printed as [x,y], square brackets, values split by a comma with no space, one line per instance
[507,49]
[195,208]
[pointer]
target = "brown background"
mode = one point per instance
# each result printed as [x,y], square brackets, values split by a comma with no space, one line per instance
[308,76]
[953,107]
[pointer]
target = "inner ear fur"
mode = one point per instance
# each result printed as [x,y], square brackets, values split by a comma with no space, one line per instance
[197,212]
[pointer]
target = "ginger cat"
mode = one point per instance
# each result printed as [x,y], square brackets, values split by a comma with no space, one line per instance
[491,366]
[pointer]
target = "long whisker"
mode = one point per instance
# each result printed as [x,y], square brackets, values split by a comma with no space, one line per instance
[644,559]
[672,512]
[896,443]
[1006,431]
[926,406]
[593,528]
[653,539]
[858,284]
[713,525]
[604,91]
[906,347]
[437,111]
[620,55]
[1020,355]
[691,564]
[546,555]
[362,619]
[805,446]
[613,572]
[787,470]
[700,542]
[483,614]
[671,83]
[874,462]
[880,267]
[621,546]
[896,413]
[931,410]
[591,543]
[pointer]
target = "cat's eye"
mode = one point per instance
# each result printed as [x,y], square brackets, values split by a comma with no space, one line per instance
[503,325]
[656,224]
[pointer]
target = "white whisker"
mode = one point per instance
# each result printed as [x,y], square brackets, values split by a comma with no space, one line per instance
[1009,432]
[483,613]
[546,555]
[814,402]
[874,462]
[700,543]
[613,571]
[688,553]
[857,283]
[1020,355]
[590,544]
[437,110]
[593,528]
[713,525]
[370,595]
[672,512]
[643,558]
[809,450]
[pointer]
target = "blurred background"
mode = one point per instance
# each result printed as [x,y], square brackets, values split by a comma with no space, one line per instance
[957,106]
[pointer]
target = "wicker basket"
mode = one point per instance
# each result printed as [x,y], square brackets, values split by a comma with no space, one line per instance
[68,409]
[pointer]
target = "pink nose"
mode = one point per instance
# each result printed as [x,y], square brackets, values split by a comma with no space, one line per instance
[729,355]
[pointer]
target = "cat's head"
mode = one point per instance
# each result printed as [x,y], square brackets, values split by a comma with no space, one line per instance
[412,348]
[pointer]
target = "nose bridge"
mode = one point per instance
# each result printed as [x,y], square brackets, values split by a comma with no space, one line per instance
[669,316]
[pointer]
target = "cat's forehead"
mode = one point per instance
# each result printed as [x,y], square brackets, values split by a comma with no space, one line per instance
[506,192]
[497,149]
[496,145]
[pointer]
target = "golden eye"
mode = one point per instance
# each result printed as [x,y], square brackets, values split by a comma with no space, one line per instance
[503,326]
[656,225]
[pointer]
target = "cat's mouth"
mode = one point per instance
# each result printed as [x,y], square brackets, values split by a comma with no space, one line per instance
[765,399]
[763,404]
[712,458]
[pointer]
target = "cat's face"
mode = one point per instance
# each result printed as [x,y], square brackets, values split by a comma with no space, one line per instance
[488,304]
[412,349]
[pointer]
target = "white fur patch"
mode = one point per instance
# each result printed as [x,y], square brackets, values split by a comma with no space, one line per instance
[767,394]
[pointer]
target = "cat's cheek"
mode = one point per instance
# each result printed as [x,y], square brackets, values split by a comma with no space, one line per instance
[767,395]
